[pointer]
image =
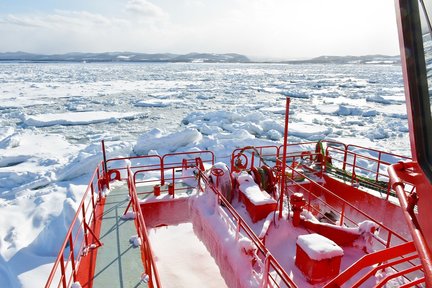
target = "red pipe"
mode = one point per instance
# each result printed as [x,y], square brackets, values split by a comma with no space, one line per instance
[284,156]
[418,239]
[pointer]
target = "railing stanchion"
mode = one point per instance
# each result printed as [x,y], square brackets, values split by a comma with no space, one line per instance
[85,228]
[284,157]
[62,270]
[72,247]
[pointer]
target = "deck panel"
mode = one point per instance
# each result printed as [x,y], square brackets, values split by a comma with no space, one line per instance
[118,262]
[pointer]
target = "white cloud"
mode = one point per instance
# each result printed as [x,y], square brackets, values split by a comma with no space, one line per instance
[61,20]
[145,8]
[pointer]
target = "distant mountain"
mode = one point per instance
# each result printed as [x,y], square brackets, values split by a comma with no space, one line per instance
[187,58]
[124,57]
[367,59]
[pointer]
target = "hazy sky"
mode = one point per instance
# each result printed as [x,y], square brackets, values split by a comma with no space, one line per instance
[258,28]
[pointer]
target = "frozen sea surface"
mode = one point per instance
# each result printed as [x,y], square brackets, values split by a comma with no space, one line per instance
[53,117]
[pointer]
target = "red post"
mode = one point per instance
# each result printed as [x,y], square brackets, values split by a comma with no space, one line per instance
[156,190]
[71,247]
[171,189]
[284,156]
[297,203]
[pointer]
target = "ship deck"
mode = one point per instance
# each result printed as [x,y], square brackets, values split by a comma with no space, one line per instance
[118,262]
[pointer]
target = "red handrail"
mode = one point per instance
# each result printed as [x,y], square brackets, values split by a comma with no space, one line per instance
[343,201]
[146,250]
[77,237]
[369,260]
[399,174]
[241,225]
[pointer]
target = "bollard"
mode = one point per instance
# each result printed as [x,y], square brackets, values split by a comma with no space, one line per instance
[297,202]
[171,189]
[156,190]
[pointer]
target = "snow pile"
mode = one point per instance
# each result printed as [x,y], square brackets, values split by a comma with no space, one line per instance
[252,191]
[156,103]
[128,216]
[166,143]
[135,240]
[367,230]
[223,179]
[318,247]
[234,255]
[76,285]
[250,125]
[378,99]
[77,118]
[182,259]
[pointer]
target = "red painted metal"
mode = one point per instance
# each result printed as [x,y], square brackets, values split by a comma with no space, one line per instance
[267,151]
[77,239]
[284,157]
[156,190]
[150,268]
[171,189]
[317,271]
[297,202]
[257,212]
[237,164]
[369,260]
[383,266]
[342,237]
[217,172]
[419,223]
[240,225]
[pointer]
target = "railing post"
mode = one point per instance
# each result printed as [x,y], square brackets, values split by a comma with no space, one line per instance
[63,272]
[345,158]
[71,247]
[104,159]
[388,239]
[378,166]
[92,201]
[353,174]
[84,226]
[284,156]
[266,271]
[342,215]
[162,172]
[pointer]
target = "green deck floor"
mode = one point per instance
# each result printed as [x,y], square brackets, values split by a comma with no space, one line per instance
[118,262]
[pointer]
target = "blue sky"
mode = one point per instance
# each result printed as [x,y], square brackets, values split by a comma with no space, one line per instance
[281,29]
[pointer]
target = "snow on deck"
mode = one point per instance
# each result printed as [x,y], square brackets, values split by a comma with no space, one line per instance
[252,191]
[182,259]
[318,247]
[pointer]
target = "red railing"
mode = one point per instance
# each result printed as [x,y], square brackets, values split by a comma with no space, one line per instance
[313,161]
[361,165]
[357,164]
[152,163]
[145,247]
[380,260]
[312,185]
[263,153]
[80,237]
[274,274]
[415,204]
[387,242]
[171,164]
